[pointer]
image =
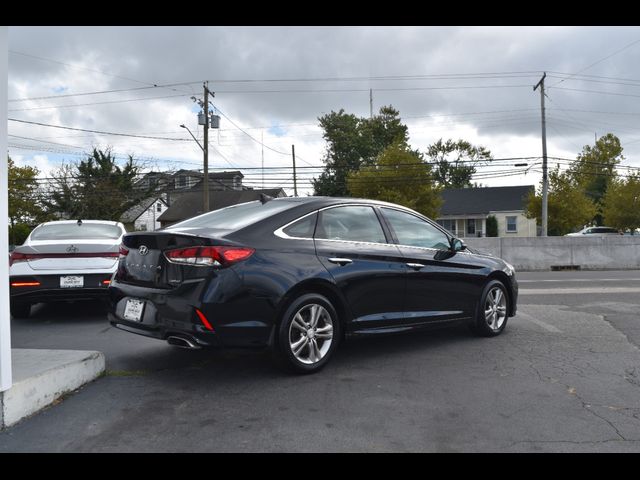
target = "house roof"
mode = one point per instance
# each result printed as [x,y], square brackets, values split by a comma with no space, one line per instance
[218,175]
[189,204]
[461,201]
[134,212]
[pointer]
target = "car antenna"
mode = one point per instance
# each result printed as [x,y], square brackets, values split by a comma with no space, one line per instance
[265,198]
[79,222]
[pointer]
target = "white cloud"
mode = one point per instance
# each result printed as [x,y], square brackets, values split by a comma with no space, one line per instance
[134,57]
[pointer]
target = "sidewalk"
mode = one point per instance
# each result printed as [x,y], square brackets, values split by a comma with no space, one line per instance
[42,376]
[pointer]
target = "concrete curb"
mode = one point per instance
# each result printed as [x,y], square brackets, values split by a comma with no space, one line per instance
[40,377]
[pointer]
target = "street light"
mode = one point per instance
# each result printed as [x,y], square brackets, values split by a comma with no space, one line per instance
[185,127]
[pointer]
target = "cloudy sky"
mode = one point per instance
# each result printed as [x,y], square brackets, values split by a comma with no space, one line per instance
[273,83]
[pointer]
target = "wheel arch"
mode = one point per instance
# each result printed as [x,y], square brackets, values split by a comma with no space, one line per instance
[504,279]
[322,287]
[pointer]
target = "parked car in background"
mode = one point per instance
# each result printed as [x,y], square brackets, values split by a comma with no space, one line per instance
[64,260]
[595,232]
[297,274]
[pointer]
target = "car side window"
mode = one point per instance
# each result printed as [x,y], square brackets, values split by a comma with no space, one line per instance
[352,223]
[303,228]
[415,232]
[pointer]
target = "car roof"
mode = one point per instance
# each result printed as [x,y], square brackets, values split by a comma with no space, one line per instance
[320,202]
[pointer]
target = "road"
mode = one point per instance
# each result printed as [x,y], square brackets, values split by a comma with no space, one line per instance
[563,377]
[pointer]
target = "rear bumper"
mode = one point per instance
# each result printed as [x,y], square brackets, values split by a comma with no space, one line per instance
[49,289]
[173,313]
[162,332]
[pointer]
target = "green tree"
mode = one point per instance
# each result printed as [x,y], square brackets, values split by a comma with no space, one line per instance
[492,226]
[24,207]
[621,204]
[569,208]
[96,188]
[455,162]
[353,142]
[594,169]
[400,176]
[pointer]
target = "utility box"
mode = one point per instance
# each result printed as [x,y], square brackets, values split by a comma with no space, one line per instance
[214,121]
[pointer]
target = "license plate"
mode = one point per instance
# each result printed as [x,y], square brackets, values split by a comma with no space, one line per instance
[72,281]
[133,310]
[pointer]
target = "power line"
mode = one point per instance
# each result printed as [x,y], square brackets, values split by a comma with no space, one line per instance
[596,91]
[599,61]
[98,103]
[98,131]
[79,68]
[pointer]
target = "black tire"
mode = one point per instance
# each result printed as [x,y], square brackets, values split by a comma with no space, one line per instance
[492,326]
[286,334]
[20,310]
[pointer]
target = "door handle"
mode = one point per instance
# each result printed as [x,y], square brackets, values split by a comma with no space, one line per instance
[340,261]
[415,266]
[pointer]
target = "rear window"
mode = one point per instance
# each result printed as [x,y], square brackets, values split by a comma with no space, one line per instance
[236,216]
[73,231]
[303,228]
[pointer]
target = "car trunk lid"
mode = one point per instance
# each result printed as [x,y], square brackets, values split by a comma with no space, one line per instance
[143,261]
[73,255]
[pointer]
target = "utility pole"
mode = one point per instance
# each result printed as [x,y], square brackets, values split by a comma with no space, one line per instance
[262,145]
[205,178]
[295,180]
[545,178]
[370,103]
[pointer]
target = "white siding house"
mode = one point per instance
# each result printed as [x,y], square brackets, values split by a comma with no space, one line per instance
[144,217]
[465,211]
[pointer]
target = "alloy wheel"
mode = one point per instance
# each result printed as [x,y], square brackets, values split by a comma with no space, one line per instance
[495,308]
[311,333]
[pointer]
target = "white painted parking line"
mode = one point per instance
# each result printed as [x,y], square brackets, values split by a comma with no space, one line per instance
[540,323]
[565,291]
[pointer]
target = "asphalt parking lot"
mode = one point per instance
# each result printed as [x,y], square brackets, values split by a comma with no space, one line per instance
[564,376]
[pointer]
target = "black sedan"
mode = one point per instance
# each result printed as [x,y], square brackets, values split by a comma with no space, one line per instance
[298,274]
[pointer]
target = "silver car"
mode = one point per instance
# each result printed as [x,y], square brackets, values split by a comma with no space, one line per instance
[64,260]
[594,232]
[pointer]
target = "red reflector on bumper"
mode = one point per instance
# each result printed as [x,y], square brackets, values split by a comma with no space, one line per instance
[106,282]
[204,320]
[25,284]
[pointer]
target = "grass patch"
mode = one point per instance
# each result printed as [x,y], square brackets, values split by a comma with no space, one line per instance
[125,373]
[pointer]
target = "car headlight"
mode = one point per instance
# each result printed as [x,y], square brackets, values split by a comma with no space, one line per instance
[509,268]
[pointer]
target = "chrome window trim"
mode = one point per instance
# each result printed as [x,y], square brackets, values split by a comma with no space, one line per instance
[280,233]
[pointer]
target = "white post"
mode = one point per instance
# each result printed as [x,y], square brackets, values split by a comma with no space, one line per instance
[5,325]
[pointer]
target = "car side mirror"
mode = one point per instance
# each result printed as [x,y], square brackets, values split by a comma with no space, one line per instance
[457,245]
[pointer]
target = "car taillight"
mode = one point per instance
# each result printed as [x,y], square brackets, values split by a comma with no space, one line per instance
[208,256]
[18,257]
[123,251]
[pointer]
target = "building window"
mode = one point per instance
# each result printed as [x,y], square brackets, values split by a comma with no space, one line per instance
[181,181]
[449,225]
[512,224]
[471,226]
[159,207]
